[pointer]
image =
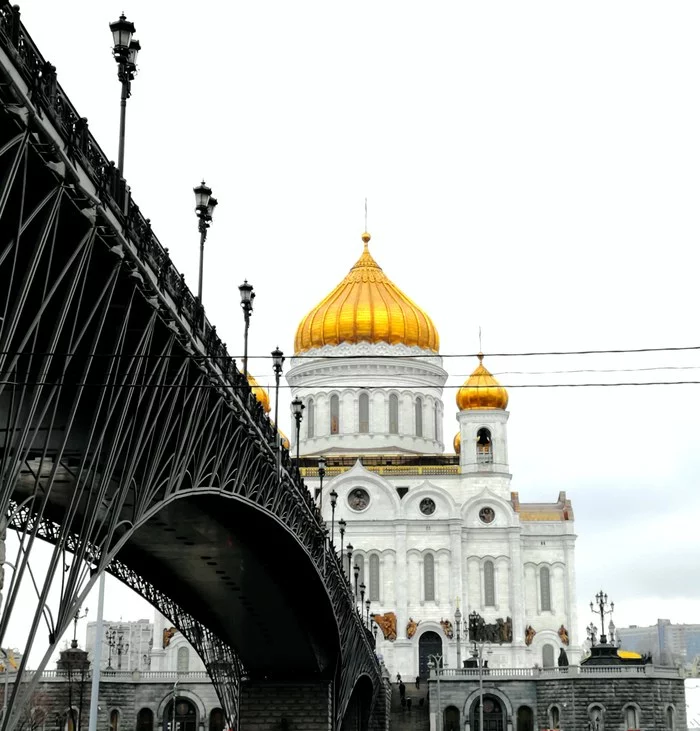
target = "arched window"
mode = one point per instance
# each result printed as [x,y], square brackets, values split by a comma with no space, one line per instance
[545,590]
[595,717]
[181,717]
[374,577]
[393,414]
[144,720]
[183,659]
[436,425]
[360,563]
[547,656]
[419,417]
[670,719]
[364,413]
[71,719]
[335,413]
[114,720]
[484,450]
[429,577]
[631,717]
[310,418]
[489,585]
[216,720]
[554,718]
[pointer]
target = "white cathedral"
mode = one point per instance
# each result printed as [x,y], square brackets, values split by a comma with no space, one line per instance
[431,532]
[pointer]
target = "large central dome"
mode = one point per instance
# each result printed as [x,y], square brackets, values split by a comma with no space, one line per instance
[366,307]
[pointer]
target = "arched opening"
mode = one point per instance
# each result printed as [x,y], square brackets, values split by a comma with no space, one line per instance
[310,419]
[114,720]
[554,717]
[429,645]
[547,656]
[545,590]
[670,719]
[374,578]
[419,417]
[451,719]
[631,717]
[489,584]
[494,716]
[595,718]
[484,451]
[144,720]
[183,660]
[335,413]
[393,414]
[217,721]
[180,717]
[429,578]
[364,413]
[525,719]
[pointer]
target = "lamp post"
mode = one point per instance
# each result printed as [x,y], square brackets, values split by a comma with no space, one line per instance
[368,604]
[298,412]
[205,204]
[458,630]
[277,362]
[478,654]
[356,572]
[362,598]
[349,552]
[321,475]
[247,297]
[125,51]
[600,607]
[341,527]
[435,663]
[334,502]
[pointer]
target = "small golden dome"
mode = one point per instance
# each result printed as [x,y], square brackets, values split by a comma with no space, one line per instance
[481,391]
[366,307]
[457,443]
[260,393]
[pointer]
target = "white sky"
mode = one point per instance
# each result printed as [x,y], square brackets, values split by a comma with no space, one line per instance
[531,168]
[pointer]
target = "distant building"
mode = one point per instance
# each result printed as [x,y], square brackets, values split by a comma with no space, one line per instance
[125,645]
[668,643]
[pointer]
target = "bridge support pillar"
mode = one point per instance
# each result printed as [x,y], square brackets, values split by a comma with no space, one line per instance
[279,706]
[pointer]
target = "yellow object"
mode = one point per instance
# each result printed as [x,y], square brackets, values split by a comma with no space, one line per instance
[481,391]
[284,440]
[629,655]
[260,393]
[457,443]
[366,307]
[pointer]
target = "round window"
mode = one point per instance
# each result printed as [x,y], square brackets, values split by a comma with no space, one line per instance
[427,506]
[487,515]
[358,499]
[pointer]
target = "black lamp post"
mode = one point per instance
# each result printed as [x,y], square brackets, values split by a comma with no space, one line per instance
[600,607]
[298,411]
[349,552]
[362,596]
[334,502]
[204,208]
[247,297]
[458,629]
[592,633]
[125,51]
[321,475]
[356,572]
[368,604]
[277,361]
[341,526]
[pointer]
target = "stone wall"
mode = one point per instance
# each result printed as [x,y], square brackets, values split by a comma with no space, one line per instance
[286,707]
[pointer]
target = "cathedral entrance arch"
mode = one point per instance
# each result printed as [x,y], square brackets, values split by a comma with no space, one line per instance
[494,715]
[183,717]
[428,644]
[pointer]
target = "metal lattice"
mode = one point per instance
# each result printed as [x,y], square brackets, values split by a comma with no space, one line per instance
[117,397]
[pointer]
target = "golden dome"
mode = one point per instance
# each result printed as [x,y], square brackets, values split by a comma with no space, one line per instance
[260,393]
[457,443]
[366,307]
[481,391]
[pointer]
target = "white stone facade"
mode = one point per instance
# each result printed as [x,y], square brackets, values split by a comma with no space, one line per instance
[434,535]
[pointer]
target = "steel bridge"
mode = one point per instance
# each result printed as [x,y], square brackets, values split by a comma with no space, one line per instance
[131,442]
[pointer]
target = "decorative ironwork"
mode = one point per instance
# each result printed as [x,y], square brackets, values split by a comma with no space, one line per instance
[117,396]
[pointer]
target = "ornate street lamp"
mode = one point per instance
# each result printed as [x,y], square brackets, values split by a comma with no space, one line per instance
[349,552]
[125,51]
[341,526]
[600,607]
[297,411]
[205,204]
[368,604]
[321,475]
[277,362]
[247,297]
[356,572]
[458,630]
[334,502]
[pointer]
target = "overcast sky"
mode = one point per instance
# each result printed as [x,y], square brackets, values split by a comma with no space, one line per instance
[531,168]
